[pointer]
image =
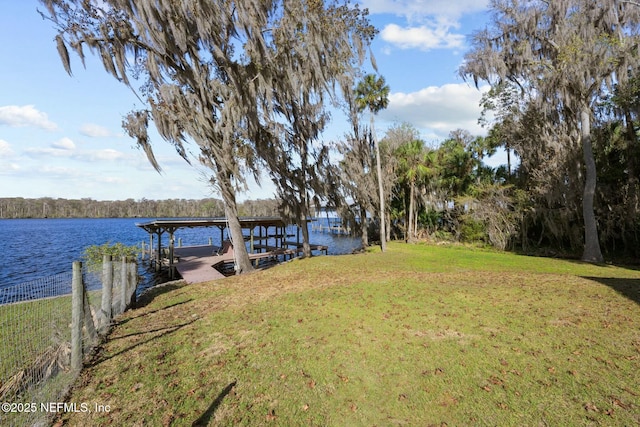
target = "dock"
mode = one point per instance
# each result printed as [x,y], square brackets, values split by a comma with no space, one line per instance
[198,264]
[195,264]
[208,262]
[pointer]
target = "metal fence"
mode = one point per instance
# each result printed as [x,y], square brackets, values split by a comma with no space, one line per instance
[48,327]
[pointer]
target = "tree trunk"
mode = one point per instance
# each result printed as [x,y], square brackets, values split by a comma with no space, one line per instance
[410,235]
[383,233]
[363,227]
[303,223]
[508,149]
[633,196]
[592,251]
[241,257]
[306,247]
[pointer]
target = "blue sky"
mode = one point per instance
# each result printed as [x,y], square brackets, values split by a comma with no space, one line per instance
[61,136]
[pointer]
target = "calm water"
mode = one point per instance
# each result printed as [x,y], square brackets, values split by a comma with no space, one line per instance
[38,248]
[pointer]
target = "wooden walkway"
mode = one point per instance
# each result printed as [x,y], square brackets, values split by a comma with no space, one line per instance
[197,264]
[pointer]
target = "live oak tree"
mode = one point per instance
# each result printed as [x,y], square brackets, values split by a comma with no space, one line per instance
[305,80]
[210,72]
[357,179]
[566,53]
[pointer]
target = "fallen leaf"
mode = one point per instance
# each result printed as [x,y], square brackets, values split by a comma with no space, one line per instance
[496,381]
[617,402]
[271,415]
[591,407]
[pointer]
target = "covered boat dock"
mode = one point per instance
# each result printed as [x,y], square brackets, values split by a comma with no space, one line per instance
[266,238]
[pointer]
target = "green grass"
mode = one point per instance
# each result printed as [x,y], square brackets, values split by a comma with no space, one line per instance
[420,335]
[28,328]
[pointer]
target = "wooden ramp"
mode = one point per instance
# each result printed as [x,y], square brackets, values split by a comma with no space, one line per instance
[195,264]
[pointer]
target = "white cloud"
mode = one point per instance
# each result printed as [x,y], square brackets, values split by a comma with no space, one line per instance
[438,109]
[94,131]
[61,172]
[415,9]
[5,149]
[107,154]
[115,180]
[24,116]
[429,23]
[64,144]
[8,169]
[421,37]
[48,152]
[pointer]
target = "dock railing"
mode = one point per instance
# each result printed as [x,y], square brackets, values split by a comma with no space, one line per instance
[48,329]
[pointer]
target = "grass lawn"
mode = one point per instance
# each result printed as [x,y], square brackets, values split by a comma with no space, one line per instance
[420,335]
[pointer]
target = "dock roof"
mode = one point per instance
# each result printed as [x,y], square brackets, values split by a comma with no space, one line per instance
[171,225]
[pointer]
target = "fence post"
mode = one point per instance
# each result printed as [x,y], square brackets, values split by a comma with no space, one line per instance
[89,326]
[77,308]
[107,293]
[133,281]
[124,278]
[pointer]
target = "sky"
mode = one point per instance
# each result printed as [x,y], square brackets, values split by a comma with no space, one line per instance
[61,135]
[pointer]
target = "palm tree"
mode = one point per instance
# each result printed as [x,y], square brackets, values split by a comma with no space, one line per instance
[372,93]
[415,164]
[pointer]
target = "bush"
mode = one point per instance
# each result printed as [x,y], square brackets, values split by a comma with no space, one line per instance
[93,254]
[472,230]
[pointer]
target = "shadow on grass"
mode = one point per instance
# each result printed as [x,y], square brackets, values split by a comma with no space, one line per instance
[629,288]
[147,296]
[123,321]
[204,419]
[101,357]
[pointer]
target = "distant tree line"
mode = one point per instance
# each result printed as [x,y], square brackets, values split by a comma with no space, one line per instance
[46,207]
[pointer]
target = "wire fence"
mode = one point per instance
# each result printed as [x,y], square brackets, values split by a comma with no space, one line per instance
[48,328]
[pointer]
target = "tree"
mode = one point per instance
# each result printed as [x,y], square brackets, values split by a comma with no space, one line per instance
[566,53]
[372,93]
[209,72]
[357,179]
[298,162]
[415,163]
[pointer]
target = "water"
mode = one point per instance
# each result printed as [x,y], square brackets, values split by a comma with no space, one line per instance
[37,248]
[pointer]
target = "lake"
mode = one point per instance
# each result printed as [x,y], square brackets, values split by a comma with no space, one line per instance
[37,248]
